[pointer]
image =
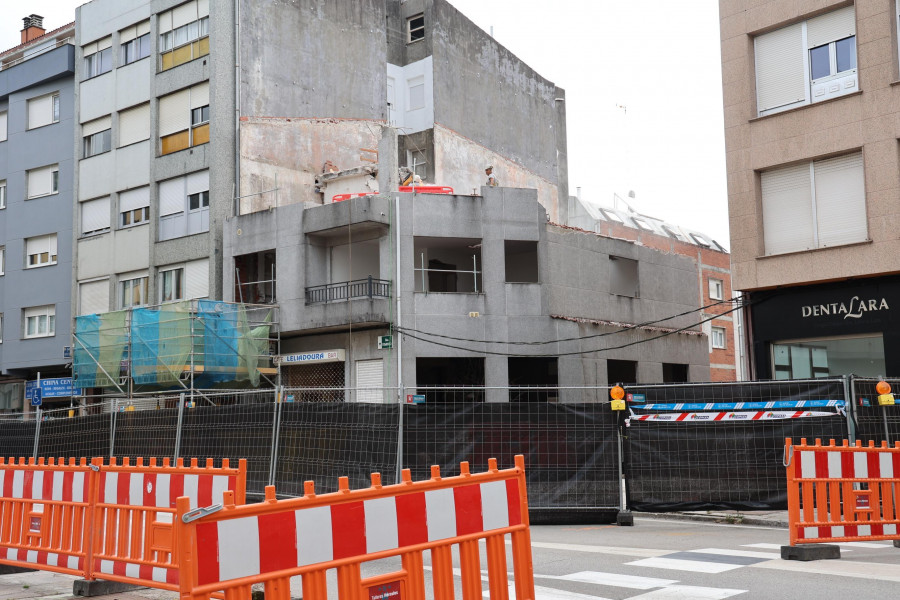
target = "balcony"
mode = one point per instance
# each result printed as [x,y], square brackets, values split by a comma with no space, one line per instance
[349,290]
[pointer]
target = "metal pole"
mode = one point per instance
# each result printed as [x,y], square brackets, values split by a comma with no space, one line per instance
[276,427]
[887,432]
[178,427]
[401,408]
[396,226]
[848,402]
[622,502]
[112,427]
[37,424]
[475,273]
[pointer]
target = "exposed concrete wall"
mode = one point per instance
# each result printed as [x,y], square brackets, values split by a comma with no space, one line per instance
[296,150]
[335,65]
[484,93]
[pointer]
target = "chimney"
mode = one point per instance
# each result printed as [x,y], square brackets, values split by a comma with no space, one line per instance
[33,28]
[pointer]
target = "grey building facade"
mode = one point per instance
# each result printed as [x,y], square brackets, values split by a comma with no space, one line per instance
[36,198]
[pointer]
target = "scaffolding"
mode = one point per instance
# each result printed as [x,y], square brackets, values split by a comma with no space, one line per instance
[182,346]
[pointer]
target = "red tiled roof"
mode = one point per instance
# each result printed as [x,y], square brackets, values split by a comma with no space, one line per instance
[40,37]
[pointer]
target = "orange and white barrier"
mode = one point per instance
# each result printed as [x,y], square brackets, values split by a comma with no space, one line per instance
[270,542]
[842,493]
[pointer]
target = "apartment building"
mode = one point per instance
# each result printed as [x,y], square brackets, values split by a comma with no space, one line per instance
[36,192]
[721,324]
[811,131]
[484,293]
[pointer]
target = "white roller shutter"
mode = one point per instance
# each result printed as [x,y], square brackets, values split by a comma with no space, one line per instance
[96,126]
[196,279]
[171,196]
[128,34]
[134,125]
[40,111]
[831,27]
[3,126]
[787,209]
[370,380]
[780,72]
[165,22]
[104,43]
[94,297]
[184,14]
[174,112]
[840,200]
[37,245]
[143,28]
[134,199]
[200,95]
[202,8]
[95,215]
[89,49]
[40,182]
[198,182]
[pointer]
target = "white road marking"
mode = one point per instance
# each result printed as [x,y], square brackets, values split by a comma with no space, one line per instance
[613,579]
[695,566]
[747,553]
[864,545]
[542,593]
[688,592]
[615,550]
[880,571]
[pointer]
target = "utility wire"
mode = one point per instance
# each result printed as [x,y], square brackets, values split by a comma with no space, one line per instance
[577,352]
[409,331]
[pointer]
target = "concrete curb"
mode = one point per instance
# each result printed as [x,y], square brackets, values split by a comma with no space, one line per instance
[737,519]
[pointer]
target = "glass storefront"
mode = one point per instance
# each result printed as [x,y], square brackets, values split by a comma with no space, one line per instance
[827,357]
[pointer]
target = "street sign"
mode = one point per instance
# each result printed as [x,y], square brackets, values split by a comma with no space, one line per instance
[54,387]
[385,342]
[36,397]
[415,398]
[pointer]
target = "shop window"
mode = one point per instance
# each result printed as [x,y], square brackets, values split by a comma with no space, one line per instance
[450,265]
[816,358]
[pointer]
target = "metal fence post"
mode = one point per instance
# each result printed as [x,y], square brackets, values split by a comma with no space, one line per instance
[850,408]
[37,431]
[178,426]
[400,410]
[276,427]
[112,427]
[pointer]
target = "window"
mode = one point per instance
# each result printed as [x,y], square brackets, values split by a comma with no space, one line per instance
[718,337]
[806,62]
[2,126]
[43,111]
[134,125]
[814,205]
[700,240]
[675,373]
[827,357]
[530,377]
[43,181]
[2,194]
[133,290]
[716,289]
[183,33]
[611,216]
[416,86]
[40,251]
[135,43]
[621,371]
[93,297]
[134,207]
[96,136]
[40,321]
[417,162]
[415,27]
[184,205]
[95,216]
[97,57]
[171,285]
[1,328]
[2,260]
[448,265]
[184,119]
[623,277]
[521,261]
[642,224]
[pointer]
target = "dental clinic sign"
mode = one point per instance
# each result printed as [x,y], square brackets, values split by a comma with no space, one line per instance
[855,308]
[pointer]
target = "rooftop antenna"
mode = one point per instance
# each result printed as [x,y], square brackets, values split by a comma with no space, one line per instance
[618,198]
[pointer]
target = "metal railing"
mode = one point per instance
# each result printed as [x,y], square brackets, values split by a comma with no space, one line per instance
[347,290]
[21,59]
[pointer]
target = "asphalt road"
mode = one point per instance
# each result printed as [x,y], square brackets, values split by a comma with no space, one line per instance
[657,559]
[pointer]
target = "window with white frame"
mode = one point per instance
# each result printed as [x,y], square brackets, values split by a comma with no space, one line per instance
[93,297]
[134,207]
[43,181]
[3,126]
[2,194]
[97,57]
[716,289]
[184,206]
[95,216]
[96,136]
[184,119]
[1,328]
[811,205]
[417,161]
[718,338]
[40,251]
[43,110]
[39,321]
[183,33]
[134,43]
[2,260]
[171,284]
[415,28]
[133,289]
[806,62]
[134,124]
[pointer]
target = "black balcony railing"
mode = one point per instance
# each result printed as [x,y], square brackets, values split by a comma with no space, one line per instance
[347,290]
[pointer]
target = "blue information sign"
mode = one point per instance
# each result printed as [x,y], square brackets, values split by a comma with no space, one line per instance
[36,397]
[59,387]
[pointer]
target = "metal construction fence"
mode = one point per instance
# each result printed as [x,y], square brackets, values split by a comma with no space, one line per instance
[676,447]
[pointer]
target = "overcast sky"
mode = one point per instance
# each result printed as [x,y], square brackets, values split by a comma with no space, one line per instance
[658,59]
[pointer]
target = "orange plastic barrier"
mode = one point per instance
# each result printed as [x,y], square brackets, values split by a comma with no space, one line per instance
[420,189]
[107,521]
[270,542]
[842,493]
